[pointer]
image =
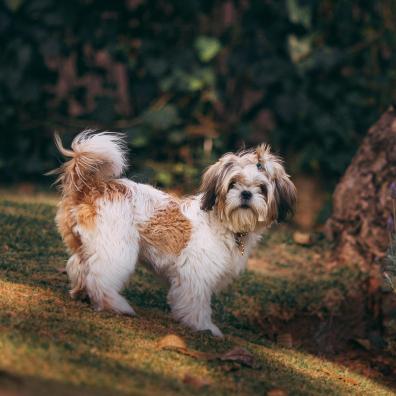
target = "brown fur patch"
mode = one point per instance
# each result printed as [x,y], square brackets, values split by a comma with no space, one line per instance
[168,230]
[81,171]
[109,190]
[65,220]
[86,214]
[79,208]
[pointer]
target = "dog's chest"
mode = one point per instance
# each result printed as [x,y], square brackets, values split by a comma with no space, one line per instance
[236,255]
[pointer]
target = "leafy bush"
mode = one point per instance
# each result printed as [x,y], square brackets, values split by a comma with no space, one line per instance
[188,80]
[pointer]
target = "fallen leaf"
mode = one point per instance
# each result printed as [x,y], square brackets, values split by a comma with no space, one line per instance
[172,342]
[285,340]
[363,343]
[62,270]
[341,378]
[277,392]
[196,382]
[6,248]
[349,380]
[240,355]
[302,238]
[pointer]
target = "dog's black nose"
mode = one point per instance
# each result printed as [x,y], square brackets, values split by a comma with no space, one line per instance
[246,195]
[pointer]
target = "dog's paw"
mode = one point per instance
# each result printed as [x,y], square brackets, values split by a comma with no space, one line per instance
[214,330]
[122,308]
[78,294]
[128,312]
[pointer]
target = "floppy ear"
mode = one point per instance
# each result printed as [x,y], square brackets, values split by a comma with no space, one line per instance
[285,191]
[285,197]
[209,187]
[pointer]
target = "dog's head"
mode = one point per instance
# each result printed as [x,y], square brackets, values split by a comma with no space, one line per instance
[248,189]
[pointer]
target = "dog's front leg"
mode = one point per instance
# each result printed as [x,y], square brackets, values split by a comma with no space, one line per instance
[190,303]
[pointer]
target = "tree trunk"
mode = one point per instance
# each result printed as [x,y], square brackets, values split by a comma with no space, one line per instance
[361,202]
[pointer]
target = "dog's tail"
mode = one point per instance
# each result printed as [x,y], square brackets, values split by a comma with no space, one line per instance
[95,157]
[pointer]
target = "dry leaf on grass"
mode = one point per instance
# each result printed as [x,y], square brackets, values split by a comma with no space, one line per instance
[285,340]
[171,342]
[239,355]
[277,392]
[363,343]
[348,380]
[302,238]
[196,382]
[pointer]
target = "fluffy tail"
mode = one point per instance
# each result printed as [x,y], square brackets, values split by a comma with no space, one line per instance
[94,157]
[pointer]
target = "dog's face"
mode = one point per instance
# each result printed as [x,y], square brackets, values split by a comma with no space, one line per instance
[248,189]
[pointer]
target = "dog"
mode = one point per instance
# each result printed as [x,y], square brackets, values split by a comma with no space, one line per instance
[199,243]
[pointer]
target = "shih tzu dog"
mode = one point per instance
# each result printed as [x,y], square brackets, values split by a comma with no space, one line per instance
[198,243]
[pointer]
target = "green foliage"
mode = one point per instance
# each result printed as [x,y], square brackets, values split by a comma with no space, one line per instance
[161,119]
[207,48]
[190,80]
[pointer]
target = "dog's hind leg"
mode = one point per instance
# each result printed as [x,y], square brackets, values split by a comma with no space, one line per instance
[112,255]
[76,271]
[104,297]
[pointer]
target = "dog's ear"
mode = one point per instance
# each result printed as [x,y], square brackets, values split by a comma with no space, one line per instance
[267,161]
[285,193]
[209,187]
[214,181]
[285,196]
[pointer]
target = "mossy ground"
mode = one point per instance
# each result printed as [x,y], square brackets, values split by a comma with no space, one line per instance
[50,342]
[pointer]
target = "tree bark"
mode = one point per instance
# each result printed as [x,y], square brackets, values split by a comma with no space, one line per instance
[361,202]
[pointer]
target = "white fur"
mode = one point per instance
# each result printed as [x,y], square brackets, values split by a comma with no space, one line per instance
[109,146]
[209,261]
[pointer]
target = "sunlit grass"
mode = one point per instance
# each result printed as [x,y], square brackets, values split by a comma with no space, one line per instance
[48,341]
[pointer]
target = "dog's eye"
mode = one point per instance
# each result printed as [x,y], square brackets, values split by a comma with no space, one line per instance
[231,185]
[264,190]
[259,166]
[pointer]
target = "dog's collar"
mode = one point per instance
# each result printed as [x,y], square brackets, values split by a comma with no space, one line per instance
[240,241]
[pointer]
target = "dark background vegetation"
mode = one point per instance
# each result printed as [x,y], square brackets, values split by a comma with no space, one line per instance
[187,80]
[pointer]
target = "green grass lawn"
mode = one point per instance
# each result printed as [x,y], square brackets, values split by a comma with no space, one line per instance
[51,343]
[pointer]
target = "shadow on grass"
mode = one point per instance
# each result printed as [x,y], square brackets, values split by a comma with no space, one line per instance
[13,385]
[32,254]
[125,375]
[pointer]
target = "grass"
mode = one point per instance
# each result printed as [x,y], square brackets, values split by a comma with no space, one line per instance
[51,343]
